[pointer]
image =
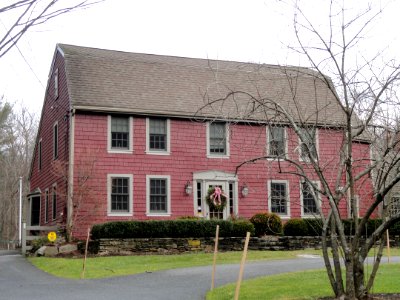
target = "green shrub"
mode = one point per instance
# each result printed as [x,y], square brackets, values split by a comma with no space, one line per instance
[314,226]
[295,227]
[170,228]
[266,223]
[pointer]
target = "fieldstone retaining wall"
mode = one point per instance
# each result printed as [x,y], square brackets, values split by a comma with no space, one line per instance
[184,245]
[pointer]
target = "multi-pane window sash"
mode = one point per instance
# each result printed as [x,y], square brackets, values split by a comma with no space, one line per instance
[278,198]
[308,145]
[158,134]
[218,138]
[309,203]
[158,195]
[54,203]
[55,141]
[120,133]
[395,205]
[276,141]
[120,194]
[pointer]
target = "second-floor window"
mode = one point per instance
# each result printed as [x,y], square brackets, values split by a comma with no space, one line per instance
[276,141]
[158,134]
[308,143]
[395,205]
[40,155]
[218,139]
[120,134]
[56,84]
[55,141]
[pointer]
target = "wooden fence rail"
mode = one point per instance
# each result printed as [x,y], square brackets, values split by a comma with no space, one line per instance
[27,237]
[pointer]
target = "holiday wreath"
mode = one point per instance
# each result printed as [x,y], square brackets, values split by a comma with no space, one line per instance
[216,199]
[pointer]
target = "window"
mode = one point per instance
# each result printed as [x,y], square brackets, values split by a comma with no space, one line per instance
[56,83]
[54,196]
[158,195]
[157,138]
[309,202]
[278,197]
[395,205]
[40,155]
[120,134]
[46,206]
[308,148]
[217,139]
[55,141]
[120,194]
[276,141]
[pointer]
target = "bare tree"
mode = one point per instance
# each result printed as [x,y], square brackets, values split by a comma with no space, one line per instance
[363,93]
[29,13]
[83,195]
[17,135]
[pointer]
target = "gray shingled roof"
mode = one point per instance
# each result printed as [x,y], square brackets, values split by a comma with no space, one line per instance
[136,83]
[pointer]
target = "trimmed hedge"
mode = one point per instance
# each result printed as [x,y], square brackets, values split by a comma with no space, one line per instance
[296,227]
[171,229]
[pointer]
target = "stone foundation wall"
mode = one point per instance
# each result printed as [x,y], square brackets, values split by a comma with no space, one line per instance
[185,245]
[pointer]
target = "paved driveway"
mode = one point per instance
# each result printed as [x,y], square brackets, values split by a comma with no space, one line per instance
[20,280]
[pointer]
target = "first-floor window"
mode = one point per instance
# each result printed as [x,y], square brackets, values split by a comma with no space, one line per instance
[158,195]
[120,194]
[279,197]
[395,205]
[54,202]
[46,206]
[309,201]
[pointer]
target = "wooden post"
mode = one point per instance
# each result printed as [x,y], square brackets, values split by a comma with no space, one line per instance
[388,244]
[84,259]
[215,256]
[239,281]
[23,239]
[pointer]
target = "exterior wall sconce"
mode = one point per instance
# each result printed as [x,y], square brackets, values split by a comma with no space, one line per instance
[188,188]
[245,190]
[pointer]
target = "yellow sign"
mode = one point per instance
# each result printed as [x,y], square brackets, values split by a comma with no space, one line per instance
[52,236]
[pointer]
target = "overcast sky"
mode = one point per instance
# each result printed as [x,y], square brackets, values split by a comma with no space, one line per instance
[252,31]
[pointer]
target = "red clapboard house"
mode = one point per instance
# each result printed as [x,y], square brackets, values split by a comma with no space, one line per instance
[128,136]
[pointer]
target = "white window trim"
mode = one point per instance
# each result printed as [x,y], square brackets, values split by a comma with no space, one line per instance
[54,186]
[109,182]
[316,147]
[56,141]
[285,138]
[319,203]
[395,195]
[158,152]
[158,214]
[357,206]
[126,151]
[283,216]
[56,85]
[227,144]
[46,205]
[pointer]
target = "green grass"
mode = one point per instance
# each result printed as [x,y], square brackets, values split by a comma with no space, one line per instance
[301,285]
[100,267]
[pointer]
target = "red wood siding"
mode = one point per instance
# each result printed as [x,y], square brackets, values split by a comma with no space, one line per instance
[188,155]
[54,110]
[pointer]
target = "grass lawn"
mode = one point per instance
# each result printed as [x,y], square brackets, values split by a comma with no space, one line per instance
[100,267]
[301,285]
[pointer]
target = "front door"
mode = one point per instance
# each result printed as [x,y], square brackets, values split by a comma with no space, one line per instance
[218,214]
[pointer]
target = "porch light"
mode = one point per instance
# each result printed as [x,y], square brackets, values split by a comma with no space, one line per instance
[188,188]
[245,190]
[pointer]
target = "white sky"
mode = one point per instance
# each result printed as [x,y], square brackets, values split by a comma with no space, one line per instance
[242,30]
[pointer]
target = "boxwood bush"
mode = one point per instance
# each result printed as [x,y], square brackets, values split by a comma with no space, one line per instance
[295,227]
[181,228]
[266,223]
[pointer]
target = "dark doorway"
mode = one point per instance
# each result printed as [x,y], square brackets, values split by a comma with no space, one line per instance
[35,210]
